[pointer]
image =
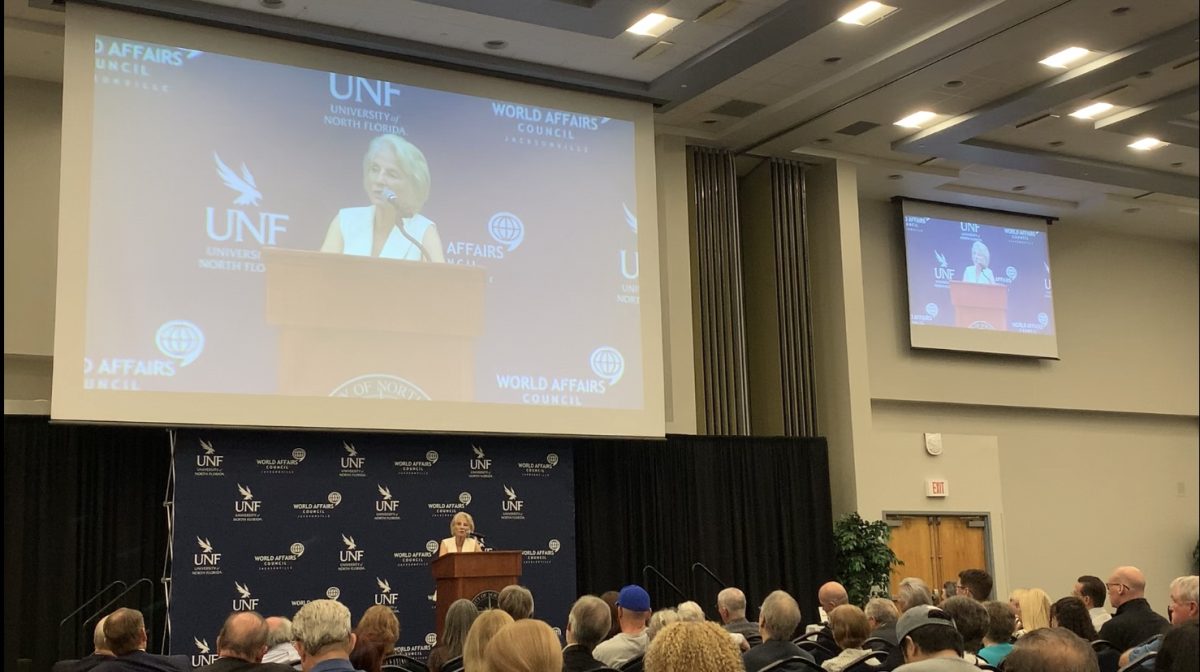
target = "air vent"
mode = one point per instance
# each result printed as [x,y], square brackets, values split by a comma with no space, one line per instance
[717,11]
[1033,121]
[857,128]
[1110,92]
[738,108]
[653,50]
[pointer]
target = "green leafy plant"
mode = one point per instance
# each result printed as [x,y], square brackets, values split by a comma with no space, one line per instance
[862,557]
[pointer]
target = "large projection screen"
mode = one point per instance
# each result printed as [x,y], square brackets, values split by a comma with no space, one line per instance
[978,280]
[257,232]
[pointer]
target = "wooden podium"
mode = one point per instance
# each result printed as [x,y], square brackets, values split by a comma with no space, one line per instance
[979,306]
[368,327]
[468,576]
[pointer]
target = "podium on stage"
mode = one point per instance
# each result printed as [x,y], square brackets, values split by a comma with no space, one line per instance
[979,306]
[368,327]
[478,577]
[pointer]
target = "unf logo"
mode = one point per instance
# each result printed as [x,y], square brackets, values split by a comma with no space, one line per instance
[180,340]
[608,363]
[209,457]
[464,498]
[243,602]
[351,460]
[238,225]
[206,557]
[507,229]
[942,271]
[510,503]
[247,503]
[351,553]
[385,595]
[333,592]
[385,503]
[203,655]
[479,462]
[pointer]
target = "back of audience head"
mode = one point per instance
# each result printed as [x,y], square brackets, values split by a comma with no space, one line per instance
[881,611]
[589,622]
[279,630]
[1072,614]
[633,608]
[661,619]
[849,626]
[379,624]
[459,618]
[693,647]
[778,616]
[912,593]
[517,601]
[243,635]
[1180,649]
[1051,650]
[731,604]
[99,642]
[610,598]
[125,630]
[482,630]
[975,583]
[832,595]
[322,627]
[690,612]
[1002,622]
[1125,584]
[1185,599]
[527,645]
[1091,590]
[929,632]
[971,619]
[1035,609]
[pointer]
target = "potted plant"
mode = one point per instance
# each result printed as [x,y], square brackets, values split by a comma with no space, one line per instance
[862,557]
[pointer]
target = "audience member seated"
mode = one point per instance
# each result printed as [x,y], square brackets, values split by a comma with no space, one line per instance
[777,620]
[1051,650]
[587,625]
[694,647]
[482,630]
[930,642]
[731,605]
[281,647]
[374,638]
[125,630]
[1091,590]
[850,629]
[661,619]
[881,616]
[997,638]
[633,610]
[99,654]
[975,584]
[517,601]
[527,645]
[610,598]
[1183,595]
[1035,610]
[1135,621]
[690,612]
[913,592]
[241,644]
[1180,650]
[971,619]
[323,635]
[830,596]
[1072,613]
[459,618]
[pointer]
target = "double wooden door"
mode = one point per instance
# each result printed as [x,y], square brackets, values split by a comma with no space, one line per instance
[937,547]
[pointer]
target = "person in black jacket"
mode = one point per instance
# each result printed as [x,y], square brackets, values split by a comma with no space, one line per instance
[1135,621]
[587,626]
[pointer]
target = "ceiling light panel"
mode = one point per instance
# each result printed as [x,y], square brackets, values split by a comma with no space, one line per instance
[866,13]
[654,25]
[1065,57]
[1092,111]
[1146,144]
[917,119]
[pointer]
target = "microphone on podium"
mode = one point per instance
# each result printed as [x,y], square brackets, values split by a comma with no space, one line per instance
[478,537]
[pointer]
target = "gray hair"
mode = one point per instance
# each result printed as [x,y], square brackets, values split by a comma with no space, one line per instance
[779,616]
[321,624]
[98,638]
[280,633]
[459,618]
[978,247]
[517,601]
[883,611]
[733,601]
[1186,588]
[661,619]
[413,162]
[589,621]
[913,592]
[691,612]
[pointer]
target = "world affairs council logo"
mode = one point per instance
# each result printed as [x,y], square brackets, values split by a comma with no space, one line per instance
[333,592]
[180,340]
[282,466]
[507,229]
[607,363]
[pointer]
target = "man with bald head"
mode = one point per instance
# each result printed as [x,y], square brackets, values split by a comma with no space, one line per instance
[1135,621]
[241,645]
[830,596]
[731,605]
[125,632]
[1051,650]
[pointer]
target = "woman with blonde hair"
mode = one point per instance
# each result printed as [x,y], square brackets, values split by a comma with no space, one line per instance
[482,630]
[693,647]
[1035,609]
[460,541]
[661,619]
[527,645]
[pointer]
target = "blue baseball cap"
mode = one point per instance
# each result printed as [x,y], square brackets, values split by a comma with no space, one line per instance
[634,598]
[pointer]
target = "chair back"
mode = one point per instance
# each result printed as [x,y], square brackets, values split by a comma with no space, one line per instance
[455,664]
[792,664]
[819,651]
[1102,644]
[398,662]
[634,664]
[863,662]
[878,644]
[753,639]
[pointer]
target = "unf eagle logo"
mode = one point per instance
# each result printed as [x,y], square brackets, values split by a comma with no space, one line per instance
[248,193]
[941,258]
[384,586]
[201,645]
[630,218]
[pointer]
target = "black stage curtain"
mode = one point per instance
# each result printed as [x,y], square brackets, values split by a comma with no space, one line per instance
[83,506]
[756,511]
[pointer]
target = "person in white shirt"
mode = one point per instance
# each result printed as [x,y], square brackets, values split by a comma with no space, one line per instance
[978,271]
[1091,590]
[633,611]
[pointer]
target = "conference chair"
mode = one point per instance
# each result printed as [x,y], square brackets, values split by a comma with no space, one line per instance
[398,662]
[753,639]
[453,665]
[863,664]
[819,651]
[1136,664]
[878,644]
[1107,655]
[633,664]
[792,664]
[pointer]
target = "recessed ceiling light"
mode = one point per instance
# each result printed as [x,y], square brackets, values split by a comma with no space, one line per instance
[833,59]
[917,119]
[1065,57]
[866,13]
[823,141]
[1146,144]
[953,84]
[495,44]
[1091,111]
[271,4]
[654,25]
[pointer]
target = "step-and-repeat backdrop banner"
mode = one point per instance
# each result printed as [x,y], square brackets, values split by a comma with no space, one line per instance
[268,521]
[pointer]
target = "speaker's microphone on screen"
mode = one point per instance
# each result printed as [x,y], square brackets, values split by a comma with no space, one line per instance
[389,195]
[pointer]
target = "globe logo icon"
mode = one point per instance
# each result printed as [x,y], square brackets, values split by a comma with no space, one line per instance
[607,363]
[180,340]
[464,498]
[431,639]
[554,545]
[507,229]
[333,592]
[431,545]
[931,309]
[552,459]
[335,498]
[299,454]
[1043,319]
[297,549]
[432,457]
[1011,272]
